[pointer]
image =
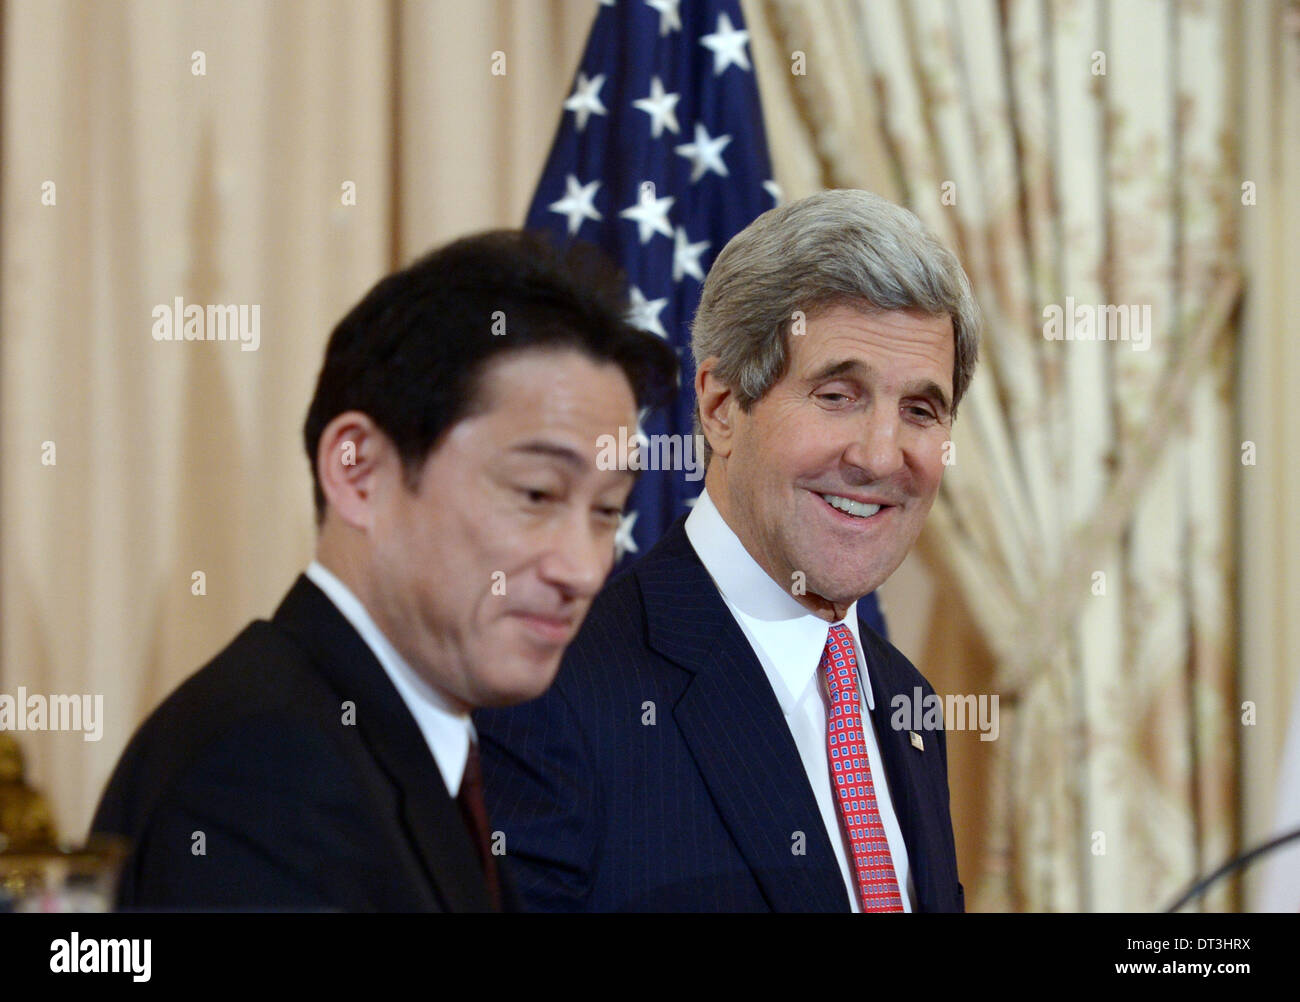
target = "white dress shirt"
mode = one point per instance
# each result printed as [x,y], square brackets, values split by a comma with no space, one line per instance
[447,732]
[788,640]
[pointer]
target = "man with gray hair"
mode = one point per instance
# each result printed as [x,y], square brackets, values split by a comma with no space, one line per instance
[719,735]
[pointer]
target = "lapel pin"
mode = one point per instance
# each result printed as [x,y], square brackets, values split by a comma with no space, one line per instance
[917,743]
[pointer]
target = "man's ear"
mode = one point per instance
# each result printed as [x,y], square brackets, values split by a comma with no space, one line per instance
[351,451]
[718,406]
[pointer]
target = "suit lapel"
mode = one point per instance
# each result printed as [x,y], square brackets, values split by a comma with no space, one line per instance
[736,732]
[431,817]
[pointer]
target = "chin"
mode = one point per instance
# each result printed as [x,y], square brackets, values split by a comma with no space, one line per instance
[845,592]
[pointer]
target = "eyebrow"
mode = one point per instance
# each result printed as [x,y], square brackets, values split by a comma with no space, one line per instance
[570,457]
[852,366]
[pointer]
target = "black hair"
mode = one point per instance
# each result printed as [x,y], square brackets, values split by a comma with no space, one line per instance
[410,354]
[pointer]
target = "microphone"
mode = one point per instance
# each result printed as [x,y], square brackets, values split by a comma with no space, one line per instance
[1236,863]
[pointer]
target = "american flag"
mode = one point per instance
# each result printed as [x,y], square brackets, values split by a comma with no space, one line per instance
[660,158]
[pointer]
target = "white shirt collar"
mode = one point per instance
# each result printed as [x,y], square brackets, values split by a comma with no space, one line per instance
[790,634]
[447,733]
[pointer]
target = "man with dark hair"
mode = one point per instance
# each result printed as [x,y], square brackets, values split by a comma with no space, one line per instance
[326,759]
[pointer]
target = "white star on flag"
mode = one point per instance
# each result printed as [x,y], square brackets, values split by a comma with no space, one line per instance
[650,213]
[585,99]
[642,439]
[644,313]
[705,154]
[623,541]
[660,107]
[669,19]
[774,189]
[686,256]
[727,45]
[577,203]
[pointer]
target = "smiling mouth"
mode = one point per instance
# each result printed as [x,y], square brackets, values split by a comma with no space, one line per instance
[860,510]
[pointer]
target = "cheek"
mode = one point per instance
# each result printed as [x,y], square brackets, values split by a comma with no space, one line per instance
[787,441]
[498,560]
[932,463]
[923,451]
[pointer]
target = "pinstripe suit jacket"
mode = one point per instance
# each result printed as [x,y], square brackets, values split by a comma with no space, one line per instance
[658,773]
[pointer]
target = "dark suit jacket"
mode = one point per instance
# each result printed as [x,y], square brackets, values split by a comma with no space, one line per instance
[701,809]
[299,810]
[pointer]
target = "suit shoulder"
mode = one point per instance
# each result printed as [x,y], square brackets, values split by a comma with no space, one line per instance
[258,673]
[259,693]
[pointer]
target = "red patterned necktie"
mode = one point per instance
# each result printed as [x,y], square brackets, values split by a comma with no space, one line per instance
[851,777]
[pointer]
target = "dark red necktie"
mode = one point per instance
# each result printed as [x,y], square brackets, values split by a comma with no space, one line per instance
[851,777]
[474,811]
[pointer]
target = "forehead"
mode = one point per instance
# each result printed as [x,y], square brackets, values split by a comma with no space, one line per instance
[902,341]
[560,395]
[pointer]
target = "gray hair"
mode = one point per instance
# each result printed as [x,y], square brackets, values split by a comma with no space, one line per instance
[836,247]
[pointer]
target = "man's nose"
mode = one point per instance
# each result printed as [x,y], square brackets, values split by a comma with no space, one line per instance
[578,558]
[877,448]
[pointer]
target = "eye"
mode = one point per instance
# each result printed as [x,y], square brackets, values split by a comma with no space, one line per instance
[612,515]
[537,495]
[833,398]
